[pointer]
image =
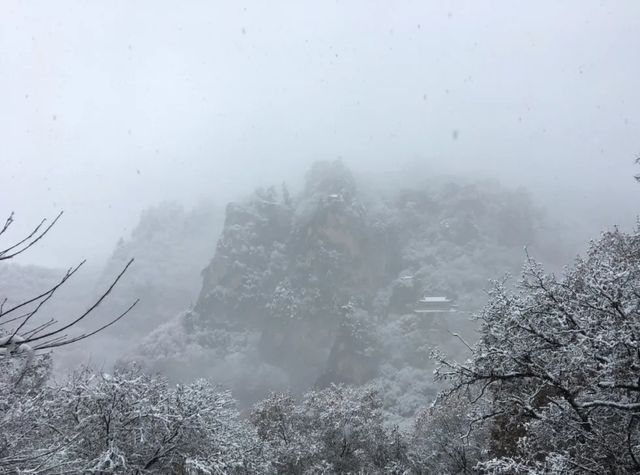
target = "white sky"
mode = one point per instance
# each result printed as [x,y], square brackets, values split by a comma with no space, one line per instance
[107,107]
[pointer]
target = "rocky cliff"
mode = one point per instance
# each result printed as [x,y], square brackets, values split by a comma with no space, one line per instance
[320,286]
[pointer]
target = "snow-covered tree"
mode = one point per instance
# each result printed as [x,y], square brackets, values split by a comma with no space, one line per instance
[441,441]
[129,422]
[135,422]
[336,430]
[556,368]
[22,429]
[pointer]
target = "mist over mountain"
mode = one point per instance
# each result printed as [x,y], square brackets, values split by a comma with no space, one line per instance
[171,245]
[292,289]
[321,286]
[313,238]
[320,312]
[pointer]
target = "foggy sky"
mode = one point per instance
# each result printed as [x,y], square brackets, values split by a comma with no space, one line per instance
[108,107]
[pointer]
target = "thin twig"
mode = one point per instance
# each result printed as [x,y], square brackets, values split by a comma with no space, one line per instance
[5,253]
[88,311]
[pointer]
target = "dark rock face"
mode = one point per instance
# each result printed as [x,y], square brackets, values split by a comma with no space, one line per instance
[285,269]
[355,355]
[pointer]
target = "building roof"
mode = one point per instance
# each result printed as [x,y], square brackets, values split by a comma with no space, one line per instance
[435,304]
[434,300]
[434,310]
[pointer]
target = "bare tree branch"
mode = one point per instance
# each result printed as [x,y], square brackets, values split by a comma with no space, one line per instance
[7,224]
[28,241]
[88,311]
[21,337]
[87,335]
[66,277]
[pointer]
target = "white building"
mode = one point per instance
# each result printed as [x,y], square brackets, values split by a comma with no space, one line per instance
[435,305]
